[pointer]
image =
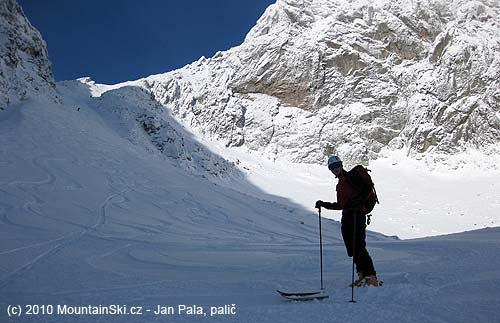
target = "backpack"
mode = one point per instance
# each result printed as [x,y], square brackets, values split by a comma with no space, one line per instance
[360,179]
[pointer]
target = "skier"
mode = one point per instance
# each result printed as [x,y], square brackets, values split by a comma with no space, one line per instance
[350,197]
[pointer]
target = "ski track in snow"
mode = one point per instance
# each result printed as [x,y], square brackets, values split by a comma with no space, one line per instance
[92,220]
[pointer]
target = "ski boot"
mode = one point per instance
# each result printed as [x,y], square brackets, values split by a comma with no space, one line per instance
[360,281]
[371,281]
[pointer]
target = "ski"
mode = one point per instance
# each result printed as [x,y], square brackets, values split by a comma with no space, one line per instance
[303,296]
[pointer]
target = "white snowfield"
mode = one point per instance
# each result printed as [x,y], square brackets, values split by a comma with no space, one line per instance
[91,220]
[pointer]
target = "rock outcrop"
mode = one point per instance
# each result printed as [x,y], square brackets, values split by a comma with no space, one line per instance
[25,68]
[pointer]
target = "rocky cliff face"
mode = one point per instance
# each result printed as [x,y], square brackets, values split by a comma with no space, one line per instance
[316,77]
[24,65]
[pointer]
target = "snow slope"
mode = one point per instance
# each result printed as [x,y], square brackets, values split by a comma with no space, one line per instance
[91,218]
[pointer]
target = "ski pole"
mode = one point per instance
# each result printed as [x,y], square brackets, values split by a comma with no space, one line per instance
[320,247]
[353,255]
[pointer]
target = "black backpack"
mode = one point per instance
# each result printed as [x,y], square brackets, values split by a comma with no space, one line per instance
[362,181]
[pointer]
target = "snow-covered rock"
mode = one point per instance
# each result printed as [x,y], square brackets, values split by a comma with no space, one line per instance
[352,77]
[25,68]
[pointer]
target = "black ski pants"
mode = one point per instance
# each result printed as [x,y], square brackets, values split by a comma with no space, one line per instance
[362,258]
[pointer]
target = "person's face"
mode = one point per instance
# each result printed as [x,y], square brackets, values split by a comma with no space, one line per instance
[335,169]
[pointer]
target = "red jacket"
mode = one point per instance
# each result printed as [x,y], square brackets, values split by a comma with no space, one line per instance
[346,192]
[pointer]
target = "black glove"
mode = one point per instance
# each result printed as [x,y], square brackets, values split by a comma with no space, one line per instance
[319,204]
[335,206]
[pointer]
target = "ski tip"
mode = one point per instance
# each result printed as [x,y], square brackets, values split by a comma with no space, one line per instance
[300,293]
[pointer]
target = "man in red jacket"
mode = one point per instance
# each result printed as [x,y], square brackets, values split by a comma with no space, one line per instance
[350,197]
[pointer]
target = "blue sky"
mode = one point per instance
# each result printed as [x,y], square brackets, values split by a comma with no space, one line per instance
[120,40]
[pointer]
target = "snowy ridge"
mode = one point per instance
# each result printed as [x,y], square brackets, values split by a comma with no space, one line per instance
[135,115]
